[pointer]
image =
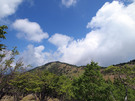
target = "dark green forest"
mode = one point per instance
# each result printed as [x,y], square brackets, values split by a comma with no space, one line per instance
[62,81]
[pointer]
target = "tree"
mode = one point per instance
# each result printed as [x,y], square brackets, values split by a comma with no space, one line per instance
[53,86]
[91,86]
[3,66]
[124,82]
[2,53]
[9,67]
[43,85]
[47,86]
[8,71]
[63,88]
[2,35]
[25,83]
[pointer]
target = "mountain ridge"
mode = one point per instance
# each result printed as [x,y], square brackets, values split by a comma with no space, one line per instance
[69,70]
[61,68]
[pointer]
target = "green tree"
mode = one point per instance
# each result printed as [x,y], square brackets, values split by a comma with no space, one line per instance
[2,35]
[63,88]
[43,85]
[124,82]
[26,83]
[9,70]
[48,85]
[91,86]
[9,67]
[2,53]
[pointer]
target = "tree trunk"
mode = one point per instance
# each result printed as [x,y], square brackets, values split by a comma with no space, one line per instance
[126,97]
[16,97]
[42,97]
[2,94]
[36,98]
[113,96]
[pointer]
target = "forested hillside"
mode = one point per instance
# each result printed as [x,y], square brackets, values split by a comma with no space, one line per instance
[60,68]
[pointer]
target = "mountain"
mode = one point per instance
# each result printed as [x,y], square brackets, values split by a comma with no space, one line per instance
[61,68]
[72,71]
[131,62]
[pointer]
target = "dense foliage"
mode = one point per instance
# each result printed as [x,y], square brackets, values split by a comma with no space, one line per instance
[9,67]
[91,86]
[2,35]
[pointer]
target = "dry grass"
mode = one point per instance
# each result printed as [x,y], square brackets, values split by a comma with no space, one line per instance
[111,77]
[7,98]
[29,97]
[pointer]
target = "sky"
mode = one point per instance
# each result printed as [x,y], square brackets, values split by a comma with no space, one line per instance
[71,31]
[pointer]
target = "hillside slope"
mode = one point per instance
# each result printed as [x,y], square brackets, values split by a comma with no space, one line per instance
[60,68]
[71,71]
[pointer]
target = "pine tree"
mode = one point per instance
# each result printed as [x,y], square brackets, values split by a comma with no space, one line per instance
[91,86]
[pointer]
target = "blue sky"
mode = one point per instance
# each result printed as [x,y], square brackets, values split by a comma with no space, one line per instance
[72,31]
[53,17]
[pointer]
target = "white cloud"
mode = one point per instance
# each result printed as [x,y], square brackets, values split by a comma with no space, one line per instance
[8,56]
[69,3]
[34,55]
[111,40]
[29,30]
[37,56]
[60,40]
[8,7]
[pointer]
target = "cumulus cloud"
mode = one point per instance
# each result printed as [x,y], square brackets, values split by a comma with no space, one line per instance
[111,40]
[60,40]
[8,7]
[69,3]
[29,30]
[35,56]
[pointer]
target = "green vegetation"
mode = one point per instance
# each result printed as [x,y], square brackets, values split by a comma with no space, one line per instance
[9,68]
[59,68]
[124,82]
[2,35]
[64,82]
[91,86]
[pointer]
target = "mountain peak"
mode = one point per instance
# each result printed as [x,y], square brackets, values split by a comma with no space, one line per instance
[61,68]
